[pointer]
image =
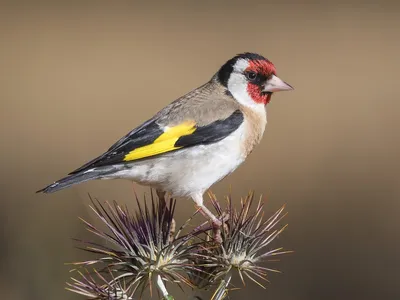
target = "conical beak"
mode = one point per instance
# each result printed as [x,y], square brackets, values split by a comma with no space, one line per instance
[275,84]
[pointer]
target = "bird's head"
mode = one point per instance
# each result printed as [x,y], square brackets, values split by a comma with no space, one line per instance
[251,79]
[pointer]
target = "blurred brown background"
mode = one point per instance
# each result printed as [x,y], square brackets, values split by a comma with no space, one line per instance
[74,77]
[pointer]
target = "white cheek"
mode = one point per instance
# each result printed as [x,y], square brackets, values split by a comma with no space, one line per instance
[237,85]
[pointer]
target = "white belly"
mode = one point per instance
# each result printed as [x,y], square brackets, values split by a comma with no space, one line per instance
[191,170]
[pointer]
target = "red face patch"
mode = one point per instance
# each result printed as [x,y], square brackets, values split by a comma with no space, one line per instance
[256,94]
[265,68]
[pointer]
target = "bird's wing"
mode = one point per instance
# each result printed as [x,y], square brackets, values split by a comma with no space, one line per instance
[152,139]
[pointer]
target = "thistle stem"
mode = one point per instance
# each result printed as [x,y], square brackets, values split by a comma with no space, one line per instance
[163,289]
[222,288]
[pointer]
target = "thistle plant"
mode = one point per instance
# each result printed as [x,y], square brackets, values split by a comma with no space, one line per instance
[142,250]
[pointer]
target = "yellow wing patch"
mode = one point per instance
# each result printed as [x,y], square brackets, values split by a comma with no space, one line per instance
[164,143]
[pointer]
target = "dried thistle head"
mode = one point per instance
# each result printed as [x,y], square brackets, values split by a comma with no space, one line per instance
[139,246]
[245,244]
[143,245]
[95,286]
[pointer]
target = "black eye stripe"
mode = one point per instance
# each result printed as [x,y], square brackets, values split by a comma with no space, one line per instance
[255,78]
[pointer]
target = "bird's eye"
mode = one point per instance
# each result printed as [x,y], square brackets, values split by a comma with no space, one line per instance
[251,76]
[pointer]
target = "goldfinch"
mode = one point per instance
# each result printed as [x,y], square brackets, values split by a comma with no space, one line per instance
[196,140]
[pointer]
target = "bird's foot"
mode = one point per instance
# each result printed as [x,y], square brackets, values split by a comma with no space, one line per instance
[218,224]
[218,227]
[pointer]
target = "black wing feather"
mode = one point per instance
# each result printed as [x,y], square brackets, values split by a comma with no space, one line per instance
[150,131]
[213,132]
[149,125]
[141,136]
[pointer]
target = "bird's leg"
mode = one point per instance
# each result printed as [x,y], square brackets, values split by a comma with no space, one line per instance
[216,223]
[163,205]
[161,196]
[198,199]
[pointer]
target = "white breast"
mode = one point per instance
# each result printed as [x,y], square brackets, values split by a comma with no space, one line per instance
[191,170]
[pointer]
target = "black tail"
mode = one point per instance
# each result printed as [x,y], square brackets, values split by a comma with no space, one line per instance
[71,180]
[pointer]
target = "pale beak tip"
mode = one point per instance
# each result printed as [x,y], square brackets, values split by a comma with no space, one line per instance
[275,84]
